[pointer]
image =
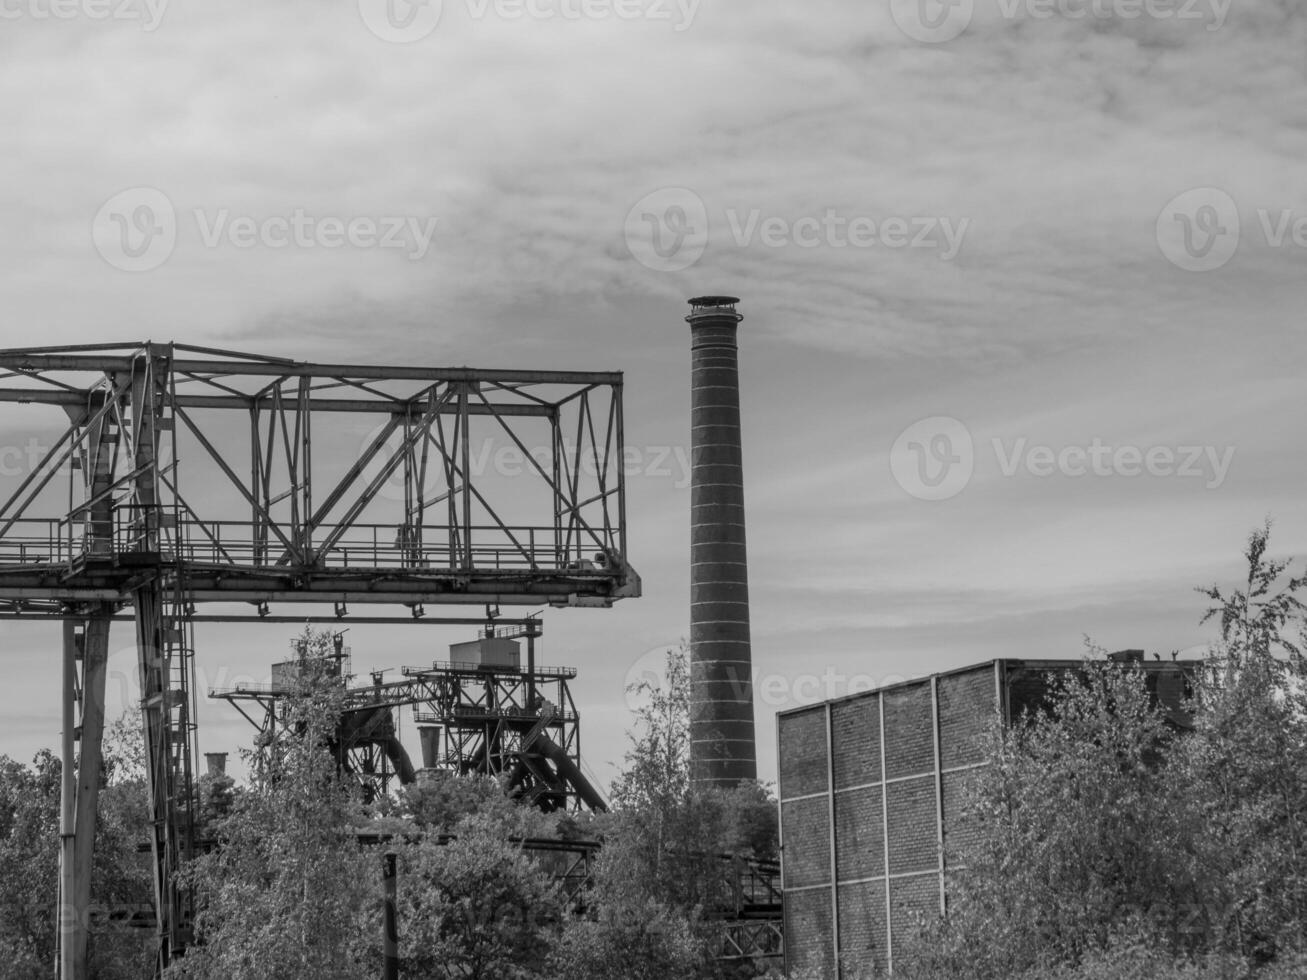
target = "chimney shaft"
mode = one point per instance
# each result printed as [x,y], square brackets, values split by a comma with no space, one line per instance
[722,747]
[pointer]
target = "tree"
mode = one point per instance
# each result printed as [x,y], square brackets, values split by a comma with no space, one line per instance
[1246,771]
[29,862]
[440,802]
[122,875]
[663,862]
[1104,841]
[633,937]
[475,908]
[1070,841]
[288,893]
[29,866]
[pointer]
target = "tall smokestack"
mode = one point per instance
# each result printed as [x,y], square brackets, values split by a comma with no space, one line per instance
[722,747]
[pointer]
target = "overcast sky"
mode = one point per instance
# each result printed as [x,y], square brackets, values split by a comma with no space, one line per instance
[1023,282]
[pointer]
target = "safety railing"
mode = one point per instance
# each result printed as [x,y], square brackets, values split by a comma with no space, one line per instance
[244,544]
[568,673]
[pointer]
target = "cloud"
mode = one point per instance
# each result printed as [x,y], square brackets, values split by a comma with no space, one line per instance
[1058,140]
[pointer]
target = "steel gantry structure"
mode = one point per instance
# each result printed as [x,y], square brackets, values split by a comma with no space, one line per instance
[518,723]
[177,476]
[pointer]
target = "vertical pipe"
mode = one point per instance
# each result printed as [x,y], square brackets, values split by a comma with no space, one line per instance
[723,751]
[467,479]
[67,804]
[556,476]
[390,938]
[834,857]
[939,788]
[621,472]
[884,826]
[780,836]
[306,462]
[531,668]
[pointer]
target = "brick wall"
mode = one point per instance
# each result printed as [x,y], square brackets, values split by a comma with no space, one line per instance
[836,805]
[935,734]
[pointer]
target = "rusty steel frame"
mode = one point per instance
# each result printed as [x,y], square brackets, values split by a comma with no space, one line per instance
[144,420]
[486,716]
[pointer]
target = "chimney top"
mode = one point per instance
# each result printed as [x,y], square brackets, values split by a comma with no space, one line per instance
[713,306]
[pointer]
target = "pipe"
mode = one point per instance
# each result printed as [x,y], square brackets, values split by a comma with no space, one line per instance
[570,773]
[398,757]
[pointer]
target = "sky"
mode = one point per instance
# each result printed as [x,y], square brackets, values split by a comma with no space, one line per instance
[1022,355]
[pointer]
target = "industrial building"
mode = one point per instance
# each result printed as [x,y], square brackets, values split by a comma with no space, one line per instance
[871,793]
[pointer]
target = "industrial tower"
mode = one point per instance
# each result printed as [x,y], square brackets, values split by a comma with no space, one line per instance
[180,478]
[723,751]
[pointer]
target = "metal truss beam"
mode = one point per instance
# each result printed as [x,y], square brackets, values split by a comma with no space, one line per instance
[287,505]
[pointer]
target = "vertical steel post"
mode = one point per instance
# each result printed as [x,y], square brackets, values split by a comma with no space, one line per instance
[884,816]
[780,836]
[834,857]
[390,938]
[939,789]
[95,662]
[531,668]
[67,805]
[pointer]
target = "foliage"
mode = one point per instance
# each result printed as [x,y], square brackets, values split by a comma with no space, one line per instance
[122,876]
[441,802]
[662,869]
[633,937]
[476,908]
[1246,771]
[1102,843]
[657,774]
[288,893]
[29,862]
[29,866]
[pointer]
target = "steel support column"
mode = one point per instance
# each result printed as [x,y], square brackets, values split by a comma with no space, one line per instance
[157,699]
[77,843]
[68,806]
